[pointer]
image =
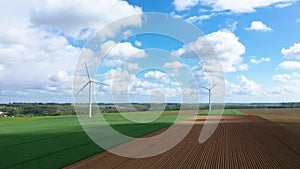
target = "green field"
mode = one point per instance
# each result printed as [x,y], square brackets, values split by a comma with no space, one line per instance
[57,141]
[54,142]
[225,112]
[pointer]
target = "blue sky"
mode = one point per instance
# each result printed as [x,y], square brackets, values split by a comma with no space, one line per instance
[41,42]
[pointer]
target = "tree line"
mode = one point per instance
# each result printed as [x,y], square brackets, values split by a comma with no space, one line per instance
[55,109]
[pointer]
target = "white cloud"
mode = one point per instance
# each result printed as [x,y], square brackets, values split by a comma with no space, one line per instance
[258,26]
[289,65]
[232,26]
[138,43]
[238,6]
[73,16]
[261,60]
[182,5]
[287,87]
[224,43]
[298,20]
[34,52]
[244,86]
[283,5]
[31,55]
[176,15]
[111,62]
[124,86]
[61,76]
[293,51]
[118,79]
[132,66]
[174,65]
[281,77]
[296,75]
[281,91]
[194,19]
[123,50]
[157,76]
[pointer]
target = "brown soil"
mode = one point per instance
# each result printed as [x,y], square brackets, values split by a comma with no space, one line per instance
[238,142]
[288,118]
[184,112]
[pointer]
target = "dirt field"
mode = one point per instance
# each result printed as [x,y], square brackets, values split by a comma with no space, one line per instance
[238,142]
[289,118]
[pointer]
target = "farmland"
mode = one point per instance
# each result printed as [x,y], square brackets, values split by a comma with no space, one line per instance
[31,142]
[288,118]
[238,142]
[225,112]
[242,140]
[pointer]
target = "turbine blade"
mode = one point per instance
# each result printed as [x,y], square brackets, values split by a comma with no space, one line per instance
[100,83]
[82,88]
[213,86]
[204,87]
[87,71]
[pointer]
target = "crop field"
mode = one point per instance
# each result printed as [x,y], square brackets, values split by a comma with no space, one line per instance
[54,142]
[242,140]
[225,112]
[238,142]
[289,118]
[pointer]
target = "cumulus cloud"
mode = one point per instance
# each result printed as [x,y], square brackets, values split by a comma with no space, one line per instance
[238,6]
[157,76]
[235,6]
[32,55]
[224,44]
[138,43]
[281,77]
[287,86]
[293,51]
[258,61]
[289,65]
[244,86]
[259,26]
[74,16]
[35,53]
[60,76]
[123,50]
[296,75]
[174,66]
[121,54]
[182,5]
[123,85]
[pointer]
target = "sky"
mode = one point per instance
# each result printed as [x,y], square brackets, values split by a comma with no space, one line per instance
[44,43]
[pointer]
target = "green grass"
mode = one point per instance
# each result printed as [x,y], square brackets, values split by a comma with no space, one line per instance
[55,142]
[225,112]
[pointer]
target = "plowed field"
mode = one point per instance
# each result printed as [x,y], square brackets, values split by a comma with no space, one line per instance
[238,142]
[289,118]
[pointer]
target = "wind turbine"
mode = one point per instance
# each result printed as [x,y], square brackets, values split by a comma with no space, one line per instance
[90,83]
[209,94]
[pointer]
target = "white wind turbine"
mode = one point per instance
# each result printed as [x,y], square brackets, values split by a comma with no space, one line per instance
[90,83]
[209,94]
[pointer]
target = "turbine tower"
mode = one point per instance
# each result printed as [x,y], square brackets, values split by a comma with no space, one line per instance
[90,83]
[209,94]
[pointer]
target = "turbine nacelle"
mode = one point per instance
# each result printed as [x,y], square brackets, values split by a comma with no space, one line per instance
[90,83]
